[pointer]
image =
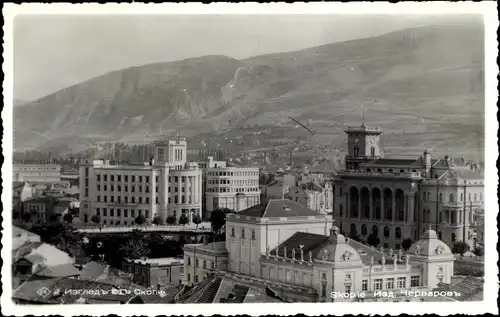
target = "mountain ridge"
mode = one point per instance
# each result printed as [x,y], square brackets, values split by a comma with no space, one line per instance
[214,94]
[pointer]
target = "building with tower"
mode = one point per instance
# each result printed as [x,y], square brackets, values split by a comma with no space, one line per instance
[297,254]
[165,186]
[394,198]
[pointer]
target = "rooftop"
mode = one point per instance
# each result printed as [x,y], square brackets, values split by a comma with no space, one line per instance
[159,261]
[209,247]
[278,208]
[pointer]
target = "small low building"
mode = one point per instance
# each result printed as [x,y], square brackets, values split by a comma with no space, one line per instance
[156,272]
[200,260]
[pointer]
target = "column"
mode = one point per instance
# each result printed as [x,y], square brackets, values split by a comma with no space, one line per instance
[347,206]
[393,206]
[411,208]
[186,189]
[382,204]
[359,205]
[371,203]
[179,190]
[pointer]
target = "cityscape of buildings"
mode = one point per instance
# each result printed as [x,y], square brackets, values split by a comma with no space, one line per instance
[378,224]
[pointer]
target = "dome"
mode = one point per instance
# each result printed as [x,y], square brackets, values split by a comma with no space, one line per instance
[429,245]
[337,250]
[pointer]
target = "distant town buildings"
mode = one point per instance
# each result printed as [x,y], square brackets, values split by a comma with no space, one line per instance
[36,172]
[168,185]
[397,198]
[313,196]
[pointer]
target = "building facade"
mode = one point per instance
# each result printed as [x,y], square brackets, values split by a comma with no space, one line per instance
[397,198]
[165,186]
[36,172]
[235,188]
[313,196]
[155,272]
[292,251]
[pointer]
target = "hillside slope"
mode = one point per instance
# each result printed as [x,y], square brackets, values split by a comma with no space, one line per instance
[426,81]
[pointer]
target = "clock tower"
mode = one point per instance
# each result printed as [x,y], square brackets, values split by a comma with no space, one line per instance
[363,144]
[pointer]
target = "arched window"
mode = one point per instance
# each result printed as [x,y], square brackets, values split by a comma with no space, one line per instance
[379,170]
[453,237]
[368,170]
[451,198]
[364,230]
[375,230]
[469,197]
[390,170]
[372,151]
[401,171]
[398,233]
[387,232]
[353,232]
[461,197]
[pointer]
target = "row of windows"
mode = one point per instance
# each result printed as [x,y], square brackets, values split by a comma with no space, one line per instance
[374,230]
[378,284]
[232,190]
[125,178]
[125,188]
[242,236]
[139,200]
[206,263]
[238,173]
[233,181]
[119,212]
[451,197]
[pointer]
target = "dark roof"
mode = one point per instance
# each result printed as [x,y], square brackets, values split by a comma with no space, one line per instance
[315,243]
[469,174]
[312,186]
[208,294]
[278,208]
[238,294]
[310,242]
[196,289]
[397,162]
[470,288]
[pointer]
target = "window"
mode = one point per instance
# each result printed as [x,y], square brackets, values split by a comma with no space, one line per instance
[389,283]
[401,282]
[213,265]
[348,288]
[440,197]
[398,233]
[104,212]
[98,211]
[204,264]
[377,284]
[98,178]
[133,178]
[243,233]
[232,232]
[386,232]
[253,234]
[197,262]
[364,285]
[451,198]
[189,261]
[415,281]
[189,277]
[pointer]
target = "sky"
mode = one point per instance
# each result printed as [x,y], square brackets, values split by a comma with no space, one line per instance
[52,52]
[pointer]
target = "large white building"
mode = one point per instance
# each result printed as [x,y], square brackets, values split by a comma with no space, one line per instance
[36,172]
[236,188]
[396,198]
[298,254]
[166,186]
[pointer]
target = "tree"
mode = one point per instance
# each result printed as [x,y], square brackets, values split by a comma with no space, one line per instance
[196,220]
[134,249]
[478,251]
[96,219]
[171,220]
[460,247]
[140,219]
[68,218]
[218,218]
[373,240]
[158,220]
[183,219]
[406,243]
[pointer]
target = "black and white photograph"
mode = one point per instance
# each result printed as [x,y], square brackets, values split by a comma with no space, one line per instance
[157,155]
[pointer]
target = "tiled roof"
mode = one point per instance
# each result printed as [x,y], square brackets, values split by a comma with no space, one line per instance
[63,270]
[208,294]
[278,208]
[196,289]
